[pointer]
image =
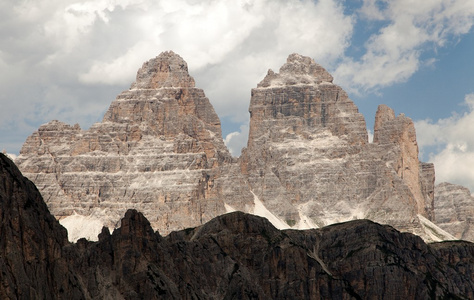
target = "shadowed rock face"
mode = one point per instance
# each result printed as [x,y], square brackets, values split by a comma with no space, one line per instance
[234,256]
[308,162]
[31,241]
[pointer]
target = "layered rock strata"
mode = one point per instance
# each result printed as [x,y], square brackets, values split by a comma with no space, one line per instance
[454,208]
[308,154]
[159,149]
[234,256]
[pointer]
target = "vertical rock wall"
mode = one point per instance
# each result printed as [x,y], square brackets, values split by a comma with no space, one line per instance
[308,154]
[454,206]
[159,149]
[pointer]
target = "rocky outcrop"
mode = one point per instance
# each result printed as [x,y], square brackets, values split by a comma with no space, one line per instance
[31,241]
[233,256]
[308,155]
[159,149]
[454,210]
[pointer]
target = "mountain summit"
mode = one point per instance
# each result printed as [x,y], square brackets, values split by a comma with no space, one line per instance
[308,162]
[166,70]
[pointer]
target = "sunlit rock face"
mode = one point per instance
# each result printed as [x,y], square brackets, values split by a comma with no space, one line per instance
[159,149]
[454,210]
[308,155]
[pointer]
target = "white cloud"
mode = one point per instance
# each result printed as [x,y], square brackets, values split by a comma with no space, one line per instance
[230,46]
[237,140]
[394,52]
[371,10]
[370,135]
[119,71]
[68,59]
[453,139]
[75,56]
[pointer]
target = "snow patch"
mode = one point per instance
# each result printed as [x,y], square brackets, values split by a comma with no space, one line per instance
[79,226]
[304,222]
[323,139]
[261,211]
[284,80]
[433,231]
[342,211]
[11,156]
[228,208]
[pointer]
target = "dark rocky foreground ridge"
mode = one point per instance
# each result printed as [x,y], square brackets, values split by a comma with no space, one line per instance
[233,256]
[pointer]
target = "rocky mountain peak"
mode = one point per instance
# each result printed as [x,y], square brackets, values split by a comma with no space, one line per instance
[301,100]
[298,69]
[308,143]
[383,115]
[156,150]
[397,136]
[134,223]
[164,102]
[390,129]
[31,239]
[307,164]
[167,70]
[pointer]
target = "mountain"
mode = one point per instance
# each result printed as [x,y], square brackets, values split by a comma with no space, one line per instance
[308,155]
[159,149]
[233,256]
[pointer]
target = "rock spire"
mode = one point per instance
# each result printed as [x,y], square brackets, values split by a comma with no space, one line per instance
[168,70]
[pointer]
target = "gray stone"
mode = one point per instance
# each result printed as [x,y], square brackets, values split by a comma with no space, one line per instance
[308,155]
[159,149]
[454,210]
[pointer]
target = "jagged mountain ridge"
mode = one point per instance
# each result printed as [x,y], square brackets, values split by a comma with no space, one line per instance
[307,164]
[233,256]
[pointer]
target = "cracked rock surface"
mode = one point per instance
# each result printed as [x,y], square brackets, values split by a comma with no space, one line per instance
[308,162]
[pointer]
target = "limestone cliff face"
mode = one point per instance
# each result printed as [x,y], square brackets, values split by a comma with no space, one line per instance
[159,148]
[233,256]
[308,154]
[454,210]
[397,137]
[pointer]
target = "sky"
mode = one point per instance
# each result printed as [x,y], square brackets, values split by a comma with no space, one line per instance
[68,60]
